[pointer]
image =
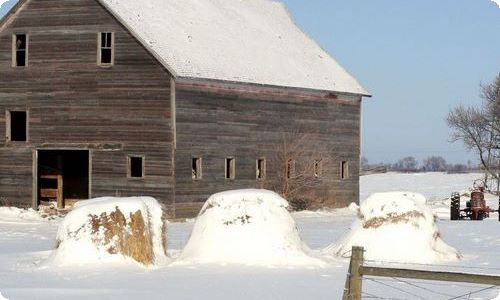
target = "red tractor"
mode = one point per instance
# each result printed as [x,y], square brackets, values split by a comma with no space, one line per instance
[476,208]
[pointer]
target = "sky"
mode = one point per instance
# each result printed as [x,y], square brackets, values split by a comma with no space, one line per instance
[418,59]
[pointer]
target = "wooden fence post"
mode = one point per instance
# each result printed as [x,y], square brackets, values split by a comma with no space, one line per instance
[353,285]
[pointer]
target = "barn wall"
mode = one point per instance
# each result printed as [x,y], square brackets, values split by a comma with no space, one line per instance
[75,104]
[248,122]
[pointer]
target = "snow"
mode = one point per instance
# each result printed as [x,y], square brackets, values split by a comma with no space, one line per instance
[15,214]
[253,41]
[27,242]
[398,227]
[251,227]
[76,245]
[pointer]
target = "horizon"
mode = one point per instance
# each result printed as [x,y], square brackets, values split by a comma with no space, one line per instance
[418,59]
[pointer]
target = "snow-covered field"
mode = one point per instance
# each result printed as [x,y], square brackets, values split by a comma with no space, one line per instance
[26,241]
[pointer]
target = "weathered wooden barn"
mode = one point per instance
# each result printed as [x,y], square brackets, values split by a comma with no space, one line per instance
[175,99]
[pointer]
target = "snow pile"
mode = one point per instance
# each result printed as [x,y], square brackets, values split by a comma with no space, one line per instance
[112,230]
[251,227]
[2,297]
[396,226]
[14,214]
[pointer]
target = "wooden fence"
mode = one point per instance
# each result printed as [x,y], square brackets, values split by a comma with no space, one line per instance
[354,281]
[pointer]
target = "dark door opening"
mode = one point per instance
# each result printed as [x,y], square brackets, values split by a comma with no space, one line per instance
[63,176]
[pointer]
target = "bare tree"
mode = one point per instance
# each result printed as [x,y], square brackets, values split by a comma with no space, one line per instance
[406,164]
[479,129]
[299,165]
[364,165]
[434,164]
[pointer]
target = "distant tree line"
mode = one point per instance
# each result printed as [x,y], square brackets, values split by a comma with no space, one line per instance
[410,164]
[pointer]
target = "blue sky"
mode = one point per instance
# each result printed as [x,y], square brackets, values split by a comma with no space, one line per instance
[418,59]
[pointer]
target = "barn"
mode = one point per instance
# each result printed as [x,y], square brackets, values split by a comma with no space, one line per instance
[174,99]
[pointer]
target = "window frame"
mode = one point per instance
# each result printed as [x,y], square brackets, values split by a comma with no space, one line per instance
[232,168]
[100,47]
[344,170]
[8,126]
[14,50]
[129,166]
[263,171]
[199,165]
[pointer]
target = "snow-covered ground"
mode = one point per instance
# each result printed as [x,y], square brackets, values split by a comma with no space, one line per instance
[26,240]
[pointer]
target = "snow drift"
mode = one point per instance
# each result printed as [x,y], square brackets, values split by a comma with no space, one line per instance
[15,214]
[112,230]
[251,227]
[396,226]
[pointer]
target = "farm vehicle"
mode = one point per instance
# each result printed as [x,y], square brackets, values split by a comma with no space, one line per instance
[475,209]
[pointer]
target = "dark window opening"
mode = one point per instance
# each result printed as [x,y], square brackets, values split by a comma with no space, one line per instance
[196,167]
[317,168]
[20,50]
[106,48]
[261,169]
[18,126]
[344,170]
[290,166]
[230,168]
[136,167]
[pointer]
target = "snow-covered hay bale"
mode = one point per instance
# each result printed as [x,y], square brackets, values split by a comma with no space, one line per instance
[396,226]
[251,227]
[110,230]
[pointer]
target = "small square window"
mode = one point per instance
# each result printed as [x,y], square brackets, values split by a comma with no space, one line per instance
[106,51]
[317,168]
[344,170]
[20,50]
[136,166]
[290,168]
[17,126]
[230,168]
[261,168]
[196,172]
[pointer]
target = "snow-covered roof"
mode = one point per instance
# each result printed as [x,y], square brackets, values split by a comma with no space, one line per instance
[249,41]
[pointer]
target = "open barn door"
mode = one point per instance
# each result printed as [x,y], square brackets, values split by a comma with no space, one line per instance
[63,176]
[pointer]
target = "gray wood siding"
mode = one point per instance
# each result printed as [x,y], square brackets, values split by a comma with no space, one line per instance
[15,176]
[75,104]
[247,123]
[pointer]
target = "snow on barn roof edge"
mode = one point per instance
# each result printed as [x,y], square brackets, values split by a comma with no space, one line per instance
[226,39]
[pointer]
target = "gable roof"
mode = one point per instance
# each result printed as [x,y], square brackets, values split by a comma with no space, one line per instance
[246,41]
[249,41]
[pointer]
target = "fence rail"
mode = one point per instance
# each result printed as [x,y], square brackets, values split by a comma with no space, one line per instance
[354,281]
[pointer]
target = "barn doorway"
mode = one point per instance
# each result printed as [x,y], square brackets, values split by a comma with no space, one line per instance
[63,176]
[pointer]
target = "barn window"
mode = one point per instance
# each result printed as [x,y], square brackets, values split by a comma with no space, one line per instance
[230,168]
[20,50]
[106,51]
[17,125]
[136,166]
[196,168]
[317,168]
[290,168]
[344,170]
[261,168]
